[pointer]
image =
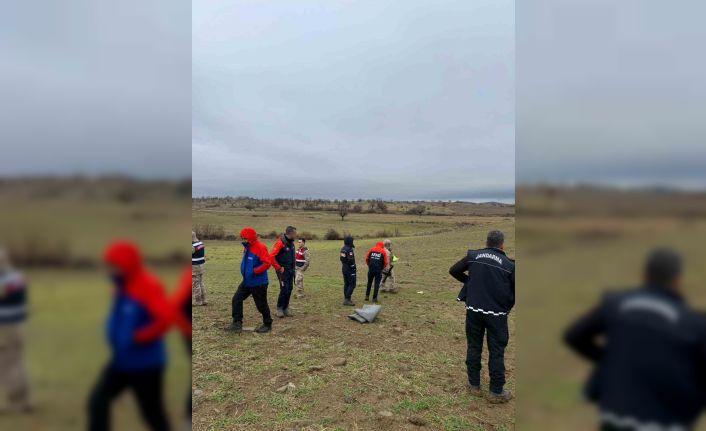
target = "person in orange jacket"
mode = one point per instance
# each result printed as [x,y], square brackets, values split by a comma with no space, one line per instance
[376,259]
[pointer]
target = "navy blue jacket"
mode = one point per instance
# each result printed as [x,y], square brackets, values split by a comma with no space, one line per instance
[488,278]
[348,256]
[140,314]
[651,366]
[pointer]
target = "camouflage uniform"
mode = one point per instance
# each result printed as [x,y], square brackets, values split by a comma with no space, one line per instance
[13,313]
[302,257]
[198,262]
[388,275]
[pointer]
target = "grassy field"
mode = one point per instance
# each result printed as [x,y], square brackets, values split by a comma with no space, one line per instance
[65,347]
[410,362]
[566,262]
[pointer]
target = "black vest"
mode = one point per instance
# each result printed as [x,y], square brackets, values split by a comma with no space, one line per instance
[285,257]
[13,301]
[198,256]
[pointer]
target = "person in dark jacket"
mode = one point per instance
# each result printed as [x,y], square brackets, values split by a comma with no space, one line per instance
[13,314]
[376,259]
[139,318]
[488,278]
[283,261]
[349,270]
[253,268]
[650,367]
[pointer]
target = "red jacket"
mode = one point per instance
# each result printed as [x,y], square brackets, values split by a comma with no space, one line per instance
[379,248]
[142,287]
[181,304]
[258,249]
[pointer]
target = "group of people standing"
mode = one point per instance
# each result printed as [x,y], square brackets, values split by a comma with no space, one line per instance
[290,262]
[487,274]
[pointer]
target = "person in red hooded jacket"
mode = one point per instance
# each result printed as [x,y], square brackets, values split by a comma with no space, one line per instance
[253,267]
[376,259]
[138,320]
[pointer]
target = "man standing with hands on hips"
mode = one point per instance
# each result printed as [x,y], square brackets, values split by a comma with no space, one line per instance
[488,278]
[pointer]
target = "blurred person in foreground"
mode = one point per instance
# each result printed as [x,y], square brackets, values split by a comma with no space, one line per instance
[198,263]
[488,278]
[650,368]
[182,318]
[13,313]
[253,268]
[138,320]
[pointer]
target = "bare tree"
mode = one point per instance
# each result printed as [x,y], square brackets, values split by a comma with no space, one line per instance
[343,208]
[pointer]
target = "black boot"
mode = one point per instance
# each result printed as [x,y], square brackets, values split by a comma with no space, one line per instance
[236,327]
[262,329]
[348,302]
[367,298]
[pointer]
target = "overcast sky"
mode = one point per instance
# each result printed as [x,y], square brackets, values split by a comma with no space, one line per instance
[404,99]
[96,87]
[611,92]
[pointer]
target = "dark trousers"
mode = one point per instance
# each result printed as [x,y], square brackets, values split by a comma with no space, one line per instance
[608,427]
[286,284]
[348,284]
[259,294]
[477,324]
[376,277]
[147,386]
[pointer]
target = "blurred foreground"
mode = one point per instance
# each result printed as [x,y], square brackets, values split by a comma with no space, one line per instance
[55,229]
[573,244]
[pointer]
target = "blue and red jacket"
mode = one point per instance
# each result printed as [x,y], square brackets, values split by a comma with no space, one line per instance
[140,314]
[256,260]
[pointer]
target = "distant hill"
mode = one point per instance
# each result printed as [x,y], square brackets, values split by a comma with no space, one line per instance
[370,206]
[78,188]
[600,200]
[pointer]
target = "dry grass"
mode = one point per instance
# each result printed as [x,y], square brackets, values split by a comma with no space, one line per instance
[409,362]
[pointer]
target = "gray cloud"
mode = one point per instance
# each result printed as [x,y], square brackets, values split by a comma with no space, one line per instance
[611,92]
[354,99]
[95,87]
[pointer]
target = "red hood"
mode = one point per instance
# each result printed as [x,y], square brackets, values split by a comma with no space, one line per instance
[125,256]
[249,234]
[379,245]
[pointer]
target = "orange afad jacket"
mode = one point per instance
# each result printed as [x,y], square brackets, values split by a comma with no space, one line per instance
[380,248]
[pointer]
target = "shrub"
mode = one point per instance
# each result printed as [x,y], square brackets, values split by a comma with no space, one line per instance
[308,235]
[417,210]
[270,235]
[332,235]
[209,231]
